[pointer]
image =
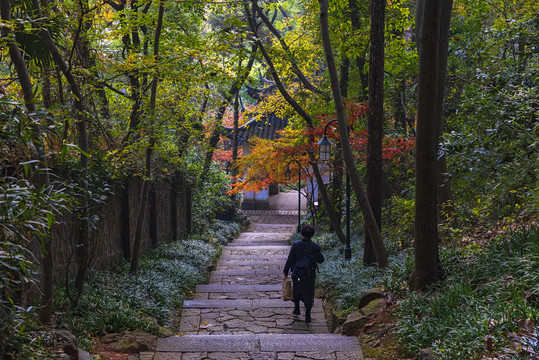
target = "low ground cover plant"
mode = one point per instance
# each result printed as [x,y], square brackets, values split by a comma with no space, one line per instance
[488,304]
[115,301]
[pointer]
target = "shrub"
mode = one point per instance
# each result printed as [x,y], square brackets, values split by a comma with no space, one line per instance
[489,293]
[116,301]
[345,279]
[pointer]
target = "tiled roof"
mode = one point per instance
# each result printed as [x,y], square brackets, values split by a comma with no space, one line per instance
[265,127]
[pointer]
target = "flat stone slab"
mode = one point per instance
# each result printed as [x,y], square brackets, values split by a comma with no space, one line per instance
[267,251]
[251,257]
[273,212]
[231,321]
[310,342]
[222,343]
[246,279]
[251,295]
[244,304]
[261,266]
[247,272]
[245,249]
[259,342]
[259,244]
[236,288]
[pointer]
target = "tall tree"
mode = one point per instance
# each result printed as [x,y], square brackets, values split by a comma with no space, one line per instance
[82,248]
[375,123]
[432,26]
[349,160]
[43,180]
[141,216]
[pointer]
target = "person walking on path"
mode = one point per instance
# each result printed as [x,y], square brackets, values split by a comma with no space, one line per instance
[303,260]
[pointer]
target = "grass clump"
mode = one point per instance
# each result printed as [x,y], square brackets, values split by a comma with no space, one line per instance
[116,301]
[489,300]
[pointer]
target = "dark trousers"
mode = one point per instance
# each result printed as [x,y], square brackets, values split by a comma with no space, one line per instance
[304,293]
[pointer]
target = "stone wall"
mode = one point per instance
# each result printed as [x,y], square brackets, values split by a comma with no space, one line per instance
[168,218]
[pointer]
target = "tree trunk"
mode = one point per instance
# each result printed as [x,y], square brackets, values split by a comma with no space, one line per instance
[149,151]
[349,160]
[82,254]
[235,137]
[431,18]
[359,60]
[43,180]
[375,124]
[443,193]
[337,184]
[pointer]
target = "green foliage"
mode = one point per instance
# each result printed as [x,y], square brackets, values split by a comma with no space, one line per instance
[115,301]
[398,222]
[491,116]
[489,293]
[345,279]
[25,213]
[19,339]
[210,198]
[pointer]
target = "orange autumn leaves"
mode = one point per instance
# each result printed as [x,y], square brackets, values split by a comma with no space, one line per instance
[269,159]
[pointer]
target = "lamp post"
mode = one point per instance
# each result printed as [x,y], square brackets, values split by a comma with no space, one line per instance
[287,176]
[325,153]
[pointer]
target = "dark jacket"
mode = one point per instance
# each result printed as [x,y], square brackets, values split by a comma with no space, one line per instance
[297,250]
[304,291]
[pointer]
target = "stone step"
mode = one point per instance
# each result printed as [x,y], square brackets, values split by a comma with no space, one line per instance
[256,250]
[245,273]
[272,212]
[249,247]
[246,280]
[253,257]
[248,295]
[261,266]
[258,243]
[263,236]
[259,262]
[246,304]
[228,321]
[236,288]
[277,226]
[261,343]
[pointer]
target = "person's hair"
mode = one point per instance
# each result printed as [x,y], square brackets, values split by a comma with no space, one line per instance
[307,230]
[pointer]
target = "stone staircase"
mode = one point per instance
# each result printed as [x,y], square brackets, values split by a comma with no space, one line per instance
[240,314]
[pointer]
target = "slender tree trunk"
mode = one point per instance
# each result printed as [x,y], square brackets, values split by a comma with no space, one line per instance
[359,60]
[431,19]
[149,150]
[375,124]
[43,180]
[235,138]
[337,184]
[443,193]
[348,157]
[345,76]
[82,254]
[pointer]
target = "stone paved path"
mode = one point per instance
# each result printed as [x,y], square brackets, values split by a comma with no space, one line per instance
[240,313]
